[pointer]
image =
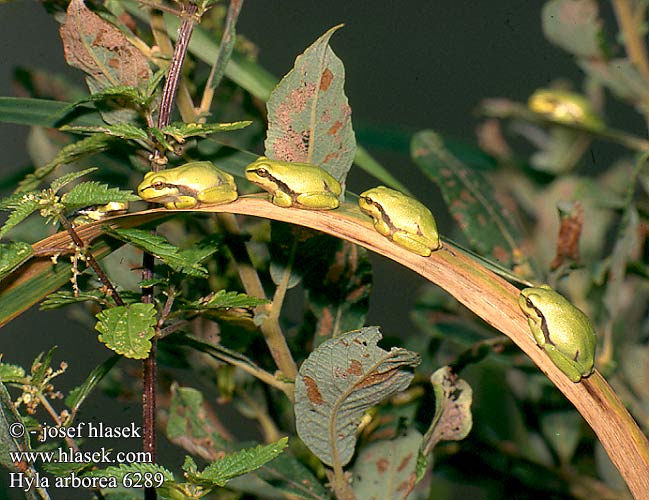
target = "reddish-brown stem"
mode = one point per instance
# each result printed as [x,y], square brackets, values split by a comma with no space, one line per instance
[164,117]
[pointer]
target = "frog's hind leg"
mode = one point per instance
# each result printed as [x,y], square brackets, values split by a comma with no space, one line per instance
[218,194]
[413,242]
[318,201]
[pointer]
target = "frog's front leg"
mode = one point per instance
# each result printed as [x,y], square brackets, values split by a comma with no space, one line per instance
[413,242]
[282,199]
[224,193]
[318,200]
[182,202]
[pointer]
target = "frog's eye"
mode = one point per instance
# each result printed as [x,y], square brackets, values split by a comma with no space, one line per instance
[158,185]
[367,200]
[262,172]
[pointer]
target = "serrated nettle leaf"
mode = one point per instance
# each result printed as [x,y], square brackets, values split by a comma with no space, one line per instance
[12,255]
[77,396]
[160,248]
[219,472]
[338,382]
[101,50]
[452,420]
[224,299]
[124,93]
[40,366]
[11,373]
[309,118]
[127,330]
[93,193]
[486,223]
[574,25]
[27,207]
[122,130]
[121,471]
[387,469]
[67,468]
[64,298]
[69,177]
[68,154]
[181,131]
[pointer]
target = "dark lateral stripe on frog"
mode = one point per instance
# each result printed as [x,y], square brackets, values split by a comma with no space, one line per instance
[284,188]
[182,190]
[388,221]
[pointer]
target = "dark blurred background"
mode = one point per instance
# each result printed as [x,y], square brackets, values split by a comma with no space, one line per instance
[415,64]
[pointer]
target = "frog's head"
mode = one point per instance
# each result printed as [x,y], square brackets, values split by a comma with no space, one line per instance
[261,172]
[369,202]
[157,187]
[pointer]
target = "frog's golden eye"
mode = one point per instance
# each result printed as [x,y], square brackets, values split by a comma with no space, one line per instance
[262,172]
[158,185]
[367,200]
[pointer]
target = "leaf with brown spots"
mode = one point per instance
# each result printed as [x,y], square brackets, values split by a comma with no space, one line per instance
[101,51]
[309,118]
[339,382]
[488,224]
[452,420]
[387,469]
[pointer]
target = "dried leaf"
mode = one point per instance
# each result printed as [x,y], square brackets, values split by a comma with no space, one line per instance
[101,50]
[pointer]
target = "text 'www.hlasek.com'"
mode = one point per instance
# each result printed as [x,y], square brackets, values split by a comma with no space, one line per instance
[75,466]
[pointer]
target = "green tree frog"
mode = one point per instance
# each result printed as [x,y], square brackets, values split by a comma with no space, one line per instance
[563,331]
[565,107]
[295,184]
[402,219]
[189,185]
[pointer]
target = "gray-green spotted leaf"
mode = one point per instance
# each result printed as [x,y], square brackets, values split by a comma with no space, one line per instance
[127,330]
[387,469]
[574,25]
[338,382]
[485,222]
[309,118]
[452,420]
[12,255]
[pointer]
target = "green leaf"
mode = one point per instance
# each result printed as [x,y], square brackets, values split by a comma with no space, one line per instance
[64,298]
[11,373]
[562,429]
[122,470]
[337,277]
[387,469]
[9,417]
[68,154]
[338,382]
[484,221]
[309,118]
[189,426]
[69,177]
[127,330]
[101,50]
[93,193]
[12,255]
[122,130]
[43,112]
[23,206]
[218,473]
[452,420]
[78,395]
[40,367]
[162,249]
[574,25]
[124,93]
[223,300]
[288,477]
[181,131]
[63,469]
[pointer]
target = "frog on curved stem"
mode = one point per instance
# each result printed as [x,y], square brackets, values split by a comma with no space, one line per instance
[565,107]
[189,185]
[563,331]
[402,219]
[295,184]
